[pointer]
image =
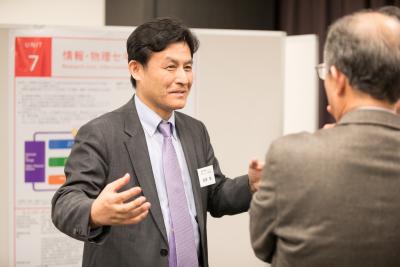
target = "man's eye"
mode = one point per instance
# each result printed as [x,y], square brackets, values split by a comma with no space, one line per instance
[170,67]
[188,68]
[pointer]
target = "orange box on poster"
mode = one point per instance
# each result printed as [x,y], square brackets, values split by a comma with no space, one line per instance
[57,179]
[32,57]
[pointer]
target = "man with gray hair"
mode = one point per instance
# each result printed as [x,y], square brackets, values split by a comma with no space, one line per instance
[332,198]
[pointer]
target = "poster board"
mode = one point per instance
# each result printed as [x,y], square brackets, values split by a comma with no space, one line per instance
[59,79]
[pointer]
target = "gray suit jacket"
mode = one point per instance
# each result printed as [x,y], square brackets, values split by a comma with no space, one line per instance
[332,198]
[114,144]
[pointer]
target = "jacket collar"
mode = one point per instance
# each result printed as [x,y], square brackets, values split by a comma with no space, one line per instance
[369,116]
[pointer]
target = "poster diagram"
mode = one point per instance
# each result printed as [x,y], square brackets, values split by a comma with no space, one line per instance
[45,158]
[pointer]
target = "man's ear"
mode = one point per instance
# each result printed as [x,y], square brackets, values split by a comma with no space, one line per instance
[136,69]
[340,80]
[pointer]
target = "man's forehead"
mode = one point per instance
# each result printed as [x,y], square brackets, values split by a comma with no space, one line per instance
[177,59]
[174,52]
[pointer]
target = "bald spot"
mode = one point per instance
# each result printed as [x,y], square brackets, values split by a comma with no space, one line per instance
[374,25]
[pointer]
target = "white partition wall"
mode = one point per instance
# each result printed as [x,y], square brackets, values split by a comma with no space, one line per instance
[240,100]
[53,12]
[4,148]
[301,84]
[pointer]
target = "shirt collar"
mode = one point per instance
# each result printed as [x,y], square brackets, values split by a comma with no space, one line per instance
[151,119]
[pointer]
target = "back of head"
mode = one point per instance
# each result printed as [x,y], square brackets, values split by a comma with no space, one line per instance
[393,11]
[365,47]
[155,36]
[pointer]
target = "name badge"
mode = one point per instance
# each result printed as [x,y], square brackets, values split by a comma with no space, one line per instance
[206,176]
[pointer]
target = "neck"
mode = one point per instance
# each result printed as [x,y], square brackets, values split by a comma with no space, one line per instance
[154,107]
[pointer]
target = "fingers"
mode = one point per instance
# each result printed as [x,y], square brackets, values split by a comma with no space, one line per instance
[133,211]
[116,208]
[253,164]
[261,165]
[128,194]
[329,125]
[256,164]
[134,204]
[329,109]
[137,219]
[119,183]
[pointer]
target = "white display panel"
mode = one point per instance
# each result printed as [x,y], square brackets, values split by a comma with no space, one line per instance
[301,84]
[240,100]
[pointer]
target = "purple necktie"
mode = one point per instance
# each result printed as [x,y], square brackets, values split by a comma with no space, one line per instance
[182,246]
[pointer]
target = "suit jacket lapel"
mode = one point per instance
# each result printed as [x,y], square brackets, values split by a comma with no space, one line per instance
[137,149]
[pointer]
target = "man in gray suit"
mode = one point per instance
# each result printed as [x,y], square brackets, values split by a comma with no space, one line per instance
[118,197]
[332,198]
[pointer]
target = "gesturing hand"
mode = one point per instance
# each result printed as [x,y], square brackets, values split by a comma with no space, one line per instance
[111,207]
[255,169]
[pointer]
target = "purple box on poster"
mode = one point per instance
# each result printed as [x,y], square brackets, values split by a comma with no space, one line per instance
[34,161]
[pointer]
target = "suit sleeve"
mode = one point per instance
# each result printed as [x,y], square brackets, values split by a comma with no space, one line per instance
[227,196]
[263,211]
[86,171]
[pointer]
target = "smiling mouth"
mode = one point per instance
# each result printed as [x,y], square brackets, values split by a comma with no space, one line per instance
[180,92]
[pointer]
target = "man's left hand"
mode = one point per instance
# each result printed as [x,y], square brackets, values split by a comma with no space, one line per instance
[255,169]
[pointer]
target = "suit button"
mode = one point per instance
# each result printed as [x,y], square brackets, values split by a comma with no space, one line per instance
[164,252]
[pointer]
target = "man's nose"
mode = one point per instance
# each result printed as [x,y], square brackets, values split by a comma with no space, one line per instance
[182,76]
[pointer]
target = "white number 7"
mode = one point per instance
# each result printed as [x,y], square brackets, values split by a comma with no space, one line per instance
[35,59]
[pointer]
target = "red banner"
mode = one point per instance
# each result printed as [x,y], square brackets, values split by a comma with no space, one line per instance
[32,56]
